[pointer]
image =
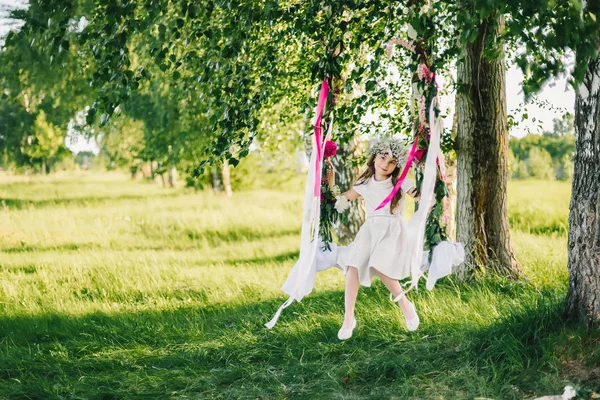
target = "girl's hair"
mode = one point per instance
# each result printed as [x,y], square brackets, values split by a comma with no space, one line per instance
[370,172]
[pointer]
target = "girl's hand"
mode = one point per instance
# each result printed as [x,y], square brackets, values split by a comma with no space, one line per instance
[341,204]
[343,201]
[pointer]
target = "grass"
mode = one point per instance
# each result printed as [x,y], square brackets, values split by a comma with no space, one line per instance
[117,290]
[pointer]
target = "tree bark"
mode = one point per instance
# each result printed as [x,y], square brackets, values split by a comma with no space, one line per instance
[345,174]
[482,222]
[583,297]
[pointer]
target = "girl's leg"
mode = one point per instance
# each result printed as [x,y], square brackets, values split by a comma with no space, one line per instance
[350,296]
[396,289]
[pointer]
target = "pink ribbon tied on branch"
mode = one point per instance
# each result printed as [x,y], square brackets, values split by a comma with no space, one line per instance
[318,135]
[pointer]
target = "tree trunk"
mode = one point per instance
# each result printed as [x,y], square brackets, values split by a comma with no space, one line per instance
[583,298]
[482,221]
[153,168]
[165,180]
[226,179]
[217,181]
[44,170]
[345,174]
[173,177]
[147,171]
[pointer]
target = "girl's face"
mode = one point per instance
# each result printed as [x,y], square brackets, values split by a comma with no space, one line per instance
[385,164]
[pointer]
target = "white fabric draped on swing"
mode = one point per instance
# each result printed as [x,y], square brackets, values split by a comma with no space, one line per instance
[301,279]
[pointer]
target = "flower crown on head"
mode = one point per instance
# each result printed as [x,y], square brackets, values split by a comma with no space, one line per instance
[389,146]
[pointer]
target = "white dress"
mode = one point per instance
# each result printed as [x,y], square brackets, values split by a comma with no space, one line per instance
[381,242]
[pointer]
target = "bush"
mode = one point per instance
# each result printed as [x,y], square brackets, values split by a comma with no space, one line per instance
[258,171]
[539,164]
[521,170]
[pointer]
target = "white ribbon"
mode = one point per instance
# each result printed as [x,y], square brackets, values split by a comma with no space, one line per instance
[301,279]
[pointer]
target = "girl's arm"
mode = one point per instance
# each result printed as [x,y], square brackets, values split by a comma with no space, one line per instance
[351,194]
[412,192]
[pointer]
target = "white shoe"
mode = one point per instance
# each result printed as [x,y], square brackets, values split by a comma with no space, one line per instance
[346,333]
[412,324]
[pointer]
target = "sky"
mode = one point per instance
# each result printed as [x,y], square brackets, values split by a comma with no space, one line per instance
[557,92]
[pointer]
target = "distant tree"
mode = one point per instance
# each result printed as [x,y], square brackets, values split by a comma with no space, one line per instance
[558,144]
[521,171]
[44,142]
[512,162]
[564,171]
[563,126]
[85,159]
[122,143]
[539,164]
[63,160]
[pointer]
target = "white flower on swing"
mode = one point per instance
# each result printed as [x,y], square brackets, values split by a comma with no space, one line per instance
[336,190]
[341,204]
[411,32]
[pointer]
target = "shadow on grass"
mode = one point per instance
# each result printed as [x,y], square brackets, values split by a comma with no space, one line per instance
[216,237]
[25,248]
[223,351]
[279,258]
[20,204]
[213,239]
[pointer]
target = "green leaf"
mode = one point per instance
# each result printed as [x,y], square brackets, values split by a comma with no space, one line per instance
[91,115]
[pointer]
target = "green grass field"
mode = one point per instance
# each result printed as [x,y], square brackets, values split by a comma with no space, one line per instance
[111,289]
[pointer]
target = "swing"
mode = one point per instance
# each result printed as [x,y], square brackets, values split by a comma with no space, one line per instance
[445,255]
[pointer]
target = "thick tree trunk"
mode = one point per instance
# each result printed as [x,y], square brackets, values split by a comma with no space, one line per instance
[345,174]
[583,298]
[482,221]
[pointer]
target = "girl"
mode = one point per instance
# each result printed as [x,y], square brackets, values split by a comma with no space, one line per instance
[380,244]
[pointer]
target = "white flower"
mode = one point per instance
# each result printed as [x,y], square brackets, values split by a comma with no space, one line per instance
[569,393]
[412,34]
[341,203]
[424,9]
[336,190]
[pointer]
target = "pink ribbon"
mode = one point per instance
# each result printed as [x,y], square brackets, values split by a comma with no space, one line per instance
[409,162]
[319,137]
